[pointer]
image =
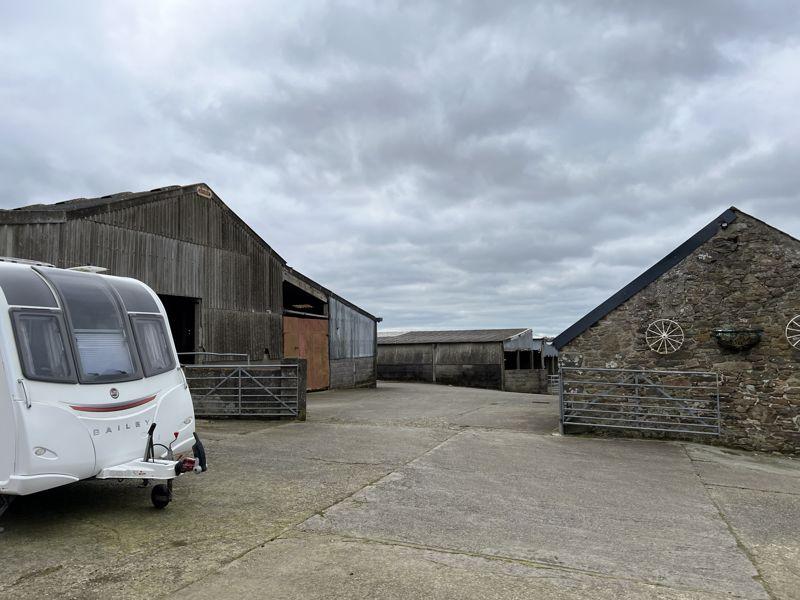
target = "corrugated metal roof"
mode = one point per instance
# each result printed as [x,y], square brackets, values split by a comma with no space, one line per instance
[80,203]
[453,337]
[382,334]
[85,207]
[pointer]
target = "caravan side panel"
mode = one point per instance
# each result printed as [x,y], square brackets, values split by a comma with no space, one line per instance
[7,429]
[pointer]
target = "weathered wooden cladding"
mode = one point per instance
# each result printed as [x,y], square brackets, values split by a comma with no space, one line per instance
[36,241]
[235,331]
[469,354]
[223,282]
[179,243]
[464,364]
[405,362]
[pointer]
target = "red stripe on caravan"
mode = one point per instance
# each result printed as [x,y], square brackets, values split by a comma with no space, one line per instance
[114,407]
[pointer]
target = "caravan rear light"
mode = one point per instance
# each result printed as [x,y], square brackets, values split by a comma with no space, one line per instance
[185,465]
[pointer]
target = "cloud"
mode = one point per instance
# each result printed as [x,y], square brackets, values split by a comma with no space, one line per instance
[463,164]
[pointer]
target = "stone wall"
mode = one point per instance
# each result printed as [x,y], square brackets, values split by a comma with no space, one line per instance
[529,381]
[746,276]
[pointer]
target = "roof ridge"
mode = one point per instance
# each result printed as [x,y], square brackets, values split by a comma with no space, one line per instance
[648,277]
[772,227]
[86,207]
[107,199]
[456,336]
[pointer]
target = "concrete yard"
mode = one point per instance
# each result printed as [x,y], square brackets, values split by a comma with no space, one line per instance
[421,491]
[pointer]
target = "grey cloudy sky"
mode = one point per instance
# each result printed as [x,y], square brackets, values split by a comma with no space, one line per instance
[444,165]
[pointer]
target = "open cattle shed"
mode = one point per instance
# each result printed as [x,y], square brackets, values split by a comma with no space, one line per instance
[221,284]
[705,343]
[499,359]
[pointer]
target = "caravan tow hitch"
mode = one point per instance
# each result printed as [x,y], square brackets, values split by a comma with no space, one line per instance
[163,470]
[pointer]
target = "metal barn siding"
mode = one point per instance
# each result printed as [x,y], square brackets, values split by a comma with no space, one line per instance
[352,346]
[181,241]
[308,338]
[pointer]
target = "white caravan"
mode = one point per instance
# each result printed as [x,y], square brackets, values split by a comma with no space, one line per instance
[90,384]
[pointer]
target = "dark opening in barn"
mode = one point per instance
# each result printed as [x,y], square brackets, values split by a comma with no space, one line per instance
[298,300]
[182,315]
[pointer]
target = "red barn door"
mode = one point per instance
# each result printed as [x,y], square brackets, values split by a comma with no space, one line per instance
[308,338]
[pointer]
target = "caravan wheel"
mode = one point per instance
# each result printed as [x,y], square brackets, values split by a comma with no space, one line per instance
[160,496]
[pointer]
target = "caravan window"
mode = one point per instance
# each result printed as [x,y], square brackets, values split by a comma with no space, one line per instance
[134,296]
[42,346]
[23,287]
[100,333]
[154,347]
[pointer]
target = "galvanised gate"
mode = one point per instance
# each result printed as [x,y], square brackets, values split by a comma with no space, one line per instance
[257,390]
[681,402]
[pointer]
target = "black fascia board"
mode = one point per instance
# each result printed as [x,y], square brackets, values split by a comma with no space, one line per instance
[645,279]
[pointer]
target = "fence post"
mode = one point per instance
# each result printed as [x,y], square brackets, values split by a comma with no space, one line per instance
[719,412]
[240,389]
[301,387]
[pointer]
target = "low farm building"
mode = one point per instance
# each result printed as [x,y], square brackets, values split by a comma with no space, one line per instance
[225,289]
[500,359]
[725,303]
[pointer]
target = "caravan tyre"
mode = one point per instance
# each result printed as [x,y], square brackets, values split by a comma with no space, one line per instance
[160,496]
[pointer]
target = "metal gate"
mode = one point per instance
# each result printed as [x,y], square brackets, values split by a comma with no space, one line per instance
[669,401]
[553,384]
[245,390]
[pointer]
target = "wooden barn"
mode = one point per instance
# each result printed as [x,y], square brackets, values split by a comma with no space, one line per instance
[500,359]
[221,284]
[705,344]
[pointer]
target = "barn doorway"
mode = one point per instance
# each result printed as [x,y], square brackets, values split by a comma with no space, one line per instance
[182,313]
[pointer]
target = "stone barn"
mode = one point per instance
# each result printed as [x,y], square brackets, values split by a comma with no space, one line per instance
[718,315]
[500,359]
